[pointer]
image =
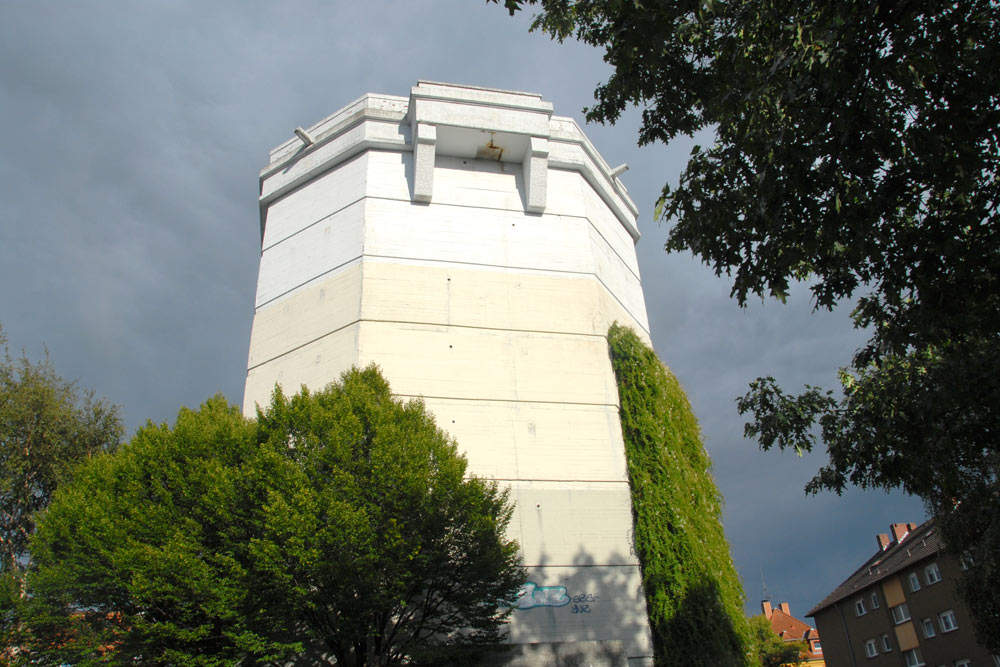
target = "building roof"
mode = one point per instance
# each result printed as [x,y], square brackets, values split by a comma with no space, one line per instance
[790,628]
[914,545]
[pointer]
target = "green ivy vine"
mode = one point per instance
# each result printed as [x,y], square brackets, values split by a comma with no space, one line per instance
[693,595]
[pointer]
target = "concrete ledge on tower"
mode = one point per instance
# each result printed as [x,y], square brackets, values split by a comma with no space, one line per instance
[602,653]
[515,131]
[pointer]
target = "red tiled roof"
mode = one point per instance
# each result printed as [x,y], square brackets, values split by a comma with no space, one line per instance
[790,628]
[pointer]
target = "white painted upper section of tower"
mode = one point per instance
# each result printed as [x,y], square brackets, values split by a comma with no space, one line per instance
[444,120]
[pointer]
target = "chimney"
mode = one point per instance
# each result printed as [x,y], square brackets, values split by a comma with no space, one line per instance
[899,531]
[765,607]
[784,607]
[883,541]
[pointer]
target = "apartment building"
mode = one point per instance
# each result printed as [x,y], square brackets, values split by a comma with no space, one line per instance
[900,608]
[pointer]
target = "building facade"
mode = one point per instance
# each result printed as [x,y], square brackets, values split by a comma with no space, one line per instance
[476,248]
[900,608]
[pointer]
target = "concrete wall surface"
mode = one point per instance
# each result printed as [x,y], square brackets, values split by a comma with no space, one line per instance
[477,249]
[606,653]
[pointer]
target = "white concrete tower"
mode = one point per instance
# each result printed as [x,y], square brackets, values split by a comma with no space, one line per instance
[476,248]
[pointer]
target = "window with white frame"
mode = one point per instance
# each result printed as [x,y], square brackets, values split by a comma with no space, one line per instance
[932,574]
[886,646]
[914,582]
[859,607]
[965,662]
[947,620]
[928,628]
[996,661]
[871,649]
[900,613]
[816,647]
[875,604]
[913,658]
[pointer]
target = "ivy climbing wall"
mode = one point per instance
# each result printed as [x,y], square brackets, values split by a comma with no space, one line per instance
[693,592]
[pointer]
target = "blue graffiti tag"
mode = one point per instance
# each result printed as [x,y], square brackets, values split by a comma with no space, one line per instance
[532,595]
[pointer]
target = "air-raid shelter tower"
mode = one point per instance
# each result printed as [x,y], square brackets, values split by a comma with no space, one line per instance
[477,248]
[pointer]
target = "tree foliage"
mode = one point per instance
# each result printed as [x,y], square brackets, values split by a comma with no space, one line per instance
[858,148]
[374,537]
[772,650]
[339,522]
[152,545]
[692,589]
[47,425]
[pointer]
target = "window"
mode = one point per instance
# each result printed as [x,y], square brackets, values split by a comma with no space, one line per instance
[914,582]
[947,620]
[900,613]
[871,650]
[932,574]
[819,649]
[859,607]
[928,628]
[963,663]
[913,658]
[966,561]
[875,604]
[996,661]
[886,646]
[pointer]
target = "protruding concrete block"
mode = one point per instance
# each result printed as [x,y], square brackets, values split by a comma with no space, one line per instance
[424,141]
[536,171]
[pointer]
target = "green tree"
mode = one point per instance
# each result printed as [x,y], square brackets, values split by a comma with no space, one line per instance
[374,537]
[772,650]
[857,147]
[339,521]
[47,426]
[692,589]
[151,545]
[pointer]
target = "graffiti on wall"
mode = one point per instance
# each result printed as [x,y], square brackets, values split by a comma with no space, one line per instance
[532,596]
